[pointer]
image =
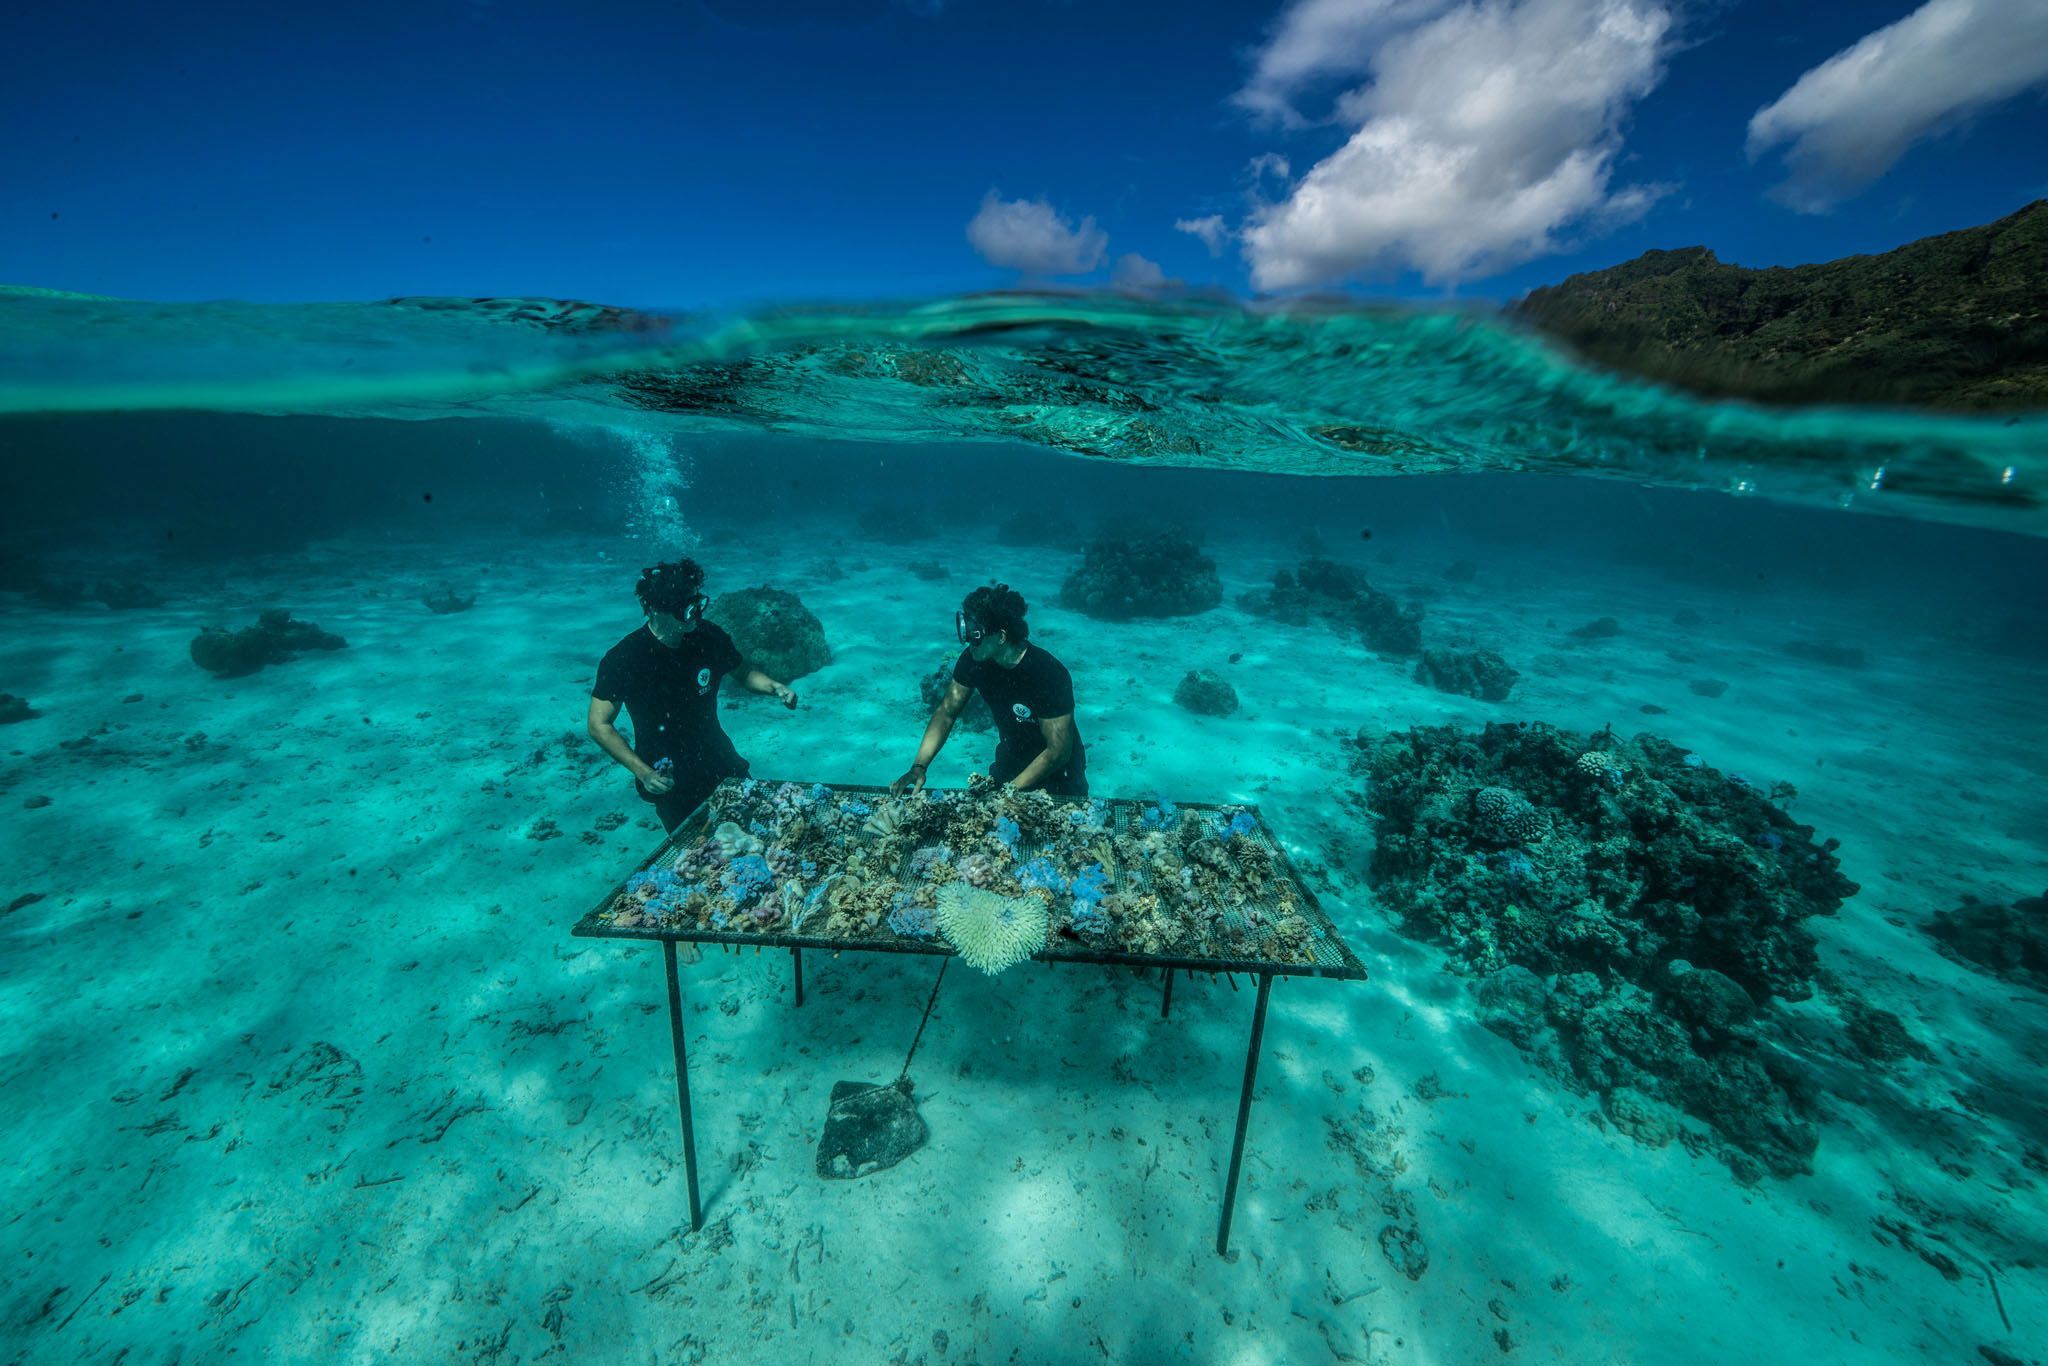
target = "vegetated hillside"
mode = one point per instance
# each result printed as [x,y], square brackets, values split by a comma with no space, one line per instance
[1954,321]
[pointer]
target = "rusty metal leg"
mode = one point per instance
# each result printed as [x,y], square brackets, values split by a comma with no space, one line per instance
[675,1032]
[796,956]
[1244,1113]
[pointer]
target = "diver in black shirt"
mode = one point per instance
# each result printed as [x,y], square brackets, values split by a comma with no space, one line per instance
[666,676]
[1030,693]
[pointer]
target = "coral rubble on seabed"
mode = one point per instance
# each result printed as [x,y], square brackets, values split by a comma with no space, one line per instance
[784,858]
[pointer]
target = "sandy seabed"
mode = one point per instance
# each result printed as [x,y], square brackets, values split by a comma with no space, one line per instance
[303,1064]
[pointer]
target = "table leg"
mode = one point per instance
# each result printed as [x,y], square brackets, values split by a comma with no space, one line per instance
[1244,1113]
[796,956]
[675,1031]
[1166,1002]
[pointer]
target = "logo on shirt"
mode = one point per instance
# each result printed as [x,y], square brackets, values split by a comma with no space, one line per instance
[1020,711]
[703,681]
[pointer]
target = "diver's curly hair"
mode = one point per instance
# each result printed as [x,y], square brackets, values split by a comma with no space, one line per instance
[670,586]
[998,607]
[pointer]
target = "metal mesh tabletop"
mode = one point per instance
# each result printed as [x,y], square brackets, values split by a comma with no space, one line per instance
[1191,885]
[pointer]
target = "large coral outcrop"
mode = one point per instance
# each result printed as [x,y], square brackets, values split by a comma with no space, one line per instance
[1632,912]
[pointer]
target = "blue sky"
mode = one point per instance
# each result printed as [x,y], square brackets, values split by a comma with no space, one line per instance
[693,154]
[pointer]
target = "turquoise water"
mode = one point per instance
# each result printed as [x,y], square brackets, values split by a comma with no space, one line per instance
[1295,390]
[303,1062]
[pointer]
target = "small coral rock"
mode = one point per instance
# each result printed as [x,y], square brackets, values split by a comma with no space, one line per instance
[2007,941]
[1641,1118]
[1202,692]
[1710,1000]
[1502,815]
[1472,673]
[774,631]
[1165,575]
[274,639]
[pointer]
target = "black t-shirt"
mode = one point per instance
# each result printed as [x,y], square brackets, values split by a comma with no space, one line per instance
[1038,689]
[672,695]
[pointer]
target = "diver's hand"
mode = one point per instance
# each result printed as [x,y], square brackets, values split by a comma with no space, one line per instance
[785,695]
[912,781]
[656,781]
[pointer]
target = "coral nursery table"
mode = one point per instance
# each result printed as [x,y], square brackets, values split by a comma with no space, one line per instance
[989,874]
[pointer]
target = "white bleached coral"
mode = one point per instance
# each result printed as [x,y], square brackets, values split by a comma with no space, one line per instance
[990,930]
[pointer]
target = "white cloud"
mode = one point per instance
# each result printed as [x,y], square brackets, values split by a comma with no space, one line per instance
[1851,118]
[1210,230]
[1135,272]
[1486,130]
[1030,236]
[1315,42]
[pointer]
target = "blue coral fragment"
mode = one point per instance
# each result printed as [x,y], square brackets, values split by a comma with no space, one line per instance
[913,921]
[747,876]
[1091,884]
[1158,816]
[1236,824]
[1042,873]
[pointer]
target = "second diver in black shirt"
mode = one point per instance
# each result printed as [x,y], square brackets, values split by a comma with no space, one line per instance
[1029,691]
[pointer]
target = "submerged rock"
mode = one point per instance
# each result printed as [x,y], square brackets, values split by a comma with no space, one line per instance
[1322,590]
[446,603]
[1162,575]
[1472,673]
[775,632]
[1641,1118]
[1204,693]
[2009,942]
[274,639]
[13,709]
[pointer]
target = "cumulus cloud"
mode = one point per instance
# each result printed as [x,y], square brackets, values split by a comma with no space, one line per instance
[1210,230]
[1029,235]
[1485,131]
[1316,42]
[1136,272]
[1849,120]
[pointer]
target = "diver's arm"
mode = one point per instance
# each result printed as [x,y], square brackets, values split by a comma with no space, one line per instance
[753,680]
[935,732]
[598,722]
[1058,732]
